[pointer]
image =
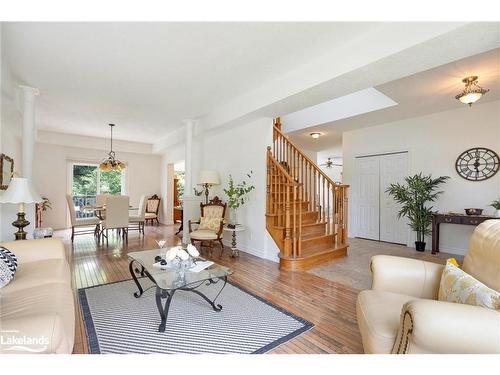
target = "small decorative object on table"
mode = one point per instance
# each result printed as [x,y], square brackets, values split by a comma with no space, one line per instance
[182,259]
[234,228]
[474,211]
[237,194]
[496,205]
[161,245]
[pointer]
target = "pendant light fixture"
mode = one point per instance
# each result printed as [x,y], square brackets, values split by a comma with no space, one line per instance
[472,91]
[111,163]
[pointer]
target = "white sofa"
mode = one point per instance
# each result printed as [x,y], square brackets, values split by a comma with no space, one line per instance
[37,311]
[402,314]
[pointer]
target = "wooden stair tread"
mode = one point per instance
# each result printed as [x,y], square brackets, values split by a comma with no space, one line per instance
[307,237]
[303,225]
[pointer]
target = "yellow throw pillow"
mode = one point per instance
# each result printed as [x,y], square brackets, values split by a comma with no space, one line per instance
[453,261]
[210,223]
[460,287]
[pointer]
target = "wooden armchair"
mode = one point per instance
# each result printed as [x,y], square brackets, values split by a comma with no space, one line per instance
[210,225]
[152,208]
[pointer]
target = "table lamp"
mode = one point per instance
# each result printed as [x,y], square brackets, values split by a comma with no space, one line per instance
[207,180]
[19,192]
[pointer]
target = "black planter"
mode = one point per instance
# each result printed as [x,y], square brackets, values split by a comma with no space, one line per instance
[419,245]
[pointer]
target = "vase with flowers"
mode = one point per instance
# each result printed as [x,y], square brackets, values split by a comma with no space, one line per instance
[237,194]
[181,257]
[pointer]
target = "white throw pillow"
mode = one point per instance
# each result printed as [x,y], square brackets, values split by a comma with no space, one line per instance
[8,266]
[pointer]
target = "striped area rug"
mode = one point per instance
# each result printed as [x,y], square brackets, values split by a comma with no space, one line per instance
[117,322]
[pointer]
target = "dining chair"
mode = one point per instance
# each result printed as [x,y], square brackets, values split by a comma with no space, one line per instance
[116,216]
[152,208]
[80,222]
[139,218]
[100,201]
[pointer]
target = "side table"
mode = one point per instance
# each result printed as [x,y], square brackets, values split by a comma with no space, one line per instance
[239,228]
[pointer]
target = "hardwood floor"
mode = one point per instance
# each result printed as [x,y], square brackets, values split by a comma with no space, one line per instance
[330,305]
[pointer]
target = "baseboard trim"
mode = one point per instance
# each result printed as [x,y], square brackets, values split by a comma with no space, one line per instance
[250,250]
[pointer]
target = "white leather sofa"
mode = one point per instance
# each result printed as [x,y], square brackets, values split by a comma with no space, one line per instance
[401,313]
[37,312]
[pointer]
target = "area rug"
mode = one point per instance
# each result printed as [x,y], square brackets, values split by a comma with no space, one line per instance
[117,322]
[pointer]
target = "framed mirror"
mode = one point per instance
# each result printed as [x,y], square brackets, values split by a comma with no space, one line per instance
[6,170]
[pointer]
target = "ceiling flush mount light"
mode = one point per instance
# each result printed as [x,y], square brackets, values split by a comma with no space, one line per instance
[111,163]
[315,135]
[472,91]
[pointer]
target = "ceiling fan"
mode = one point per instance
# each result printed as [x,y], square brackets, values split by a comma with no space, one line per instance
[329,164]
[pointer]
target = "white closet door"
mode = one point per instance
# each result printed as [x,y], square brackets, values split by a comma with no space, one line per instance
[368,197]
[393,168]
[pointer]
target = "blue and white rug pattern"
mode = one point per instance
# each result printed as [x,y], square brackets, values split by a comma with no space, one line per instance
[117,322]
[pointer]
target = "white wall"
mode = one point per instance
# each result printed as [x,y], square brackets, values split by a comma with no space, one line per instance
[11,129]
[237,151]
[50,175]
[434,142]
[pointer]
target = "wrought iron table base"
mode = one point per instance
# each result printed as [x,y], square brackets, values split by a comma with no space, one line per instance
[169,294]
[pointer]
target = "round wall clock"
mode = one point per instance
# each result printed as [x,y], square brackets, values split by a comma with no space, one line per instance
[477,164]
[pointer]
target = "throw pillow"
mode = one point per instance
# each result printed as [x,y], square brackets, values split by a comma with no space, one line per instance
[460,287]
[210,223]
[8,266]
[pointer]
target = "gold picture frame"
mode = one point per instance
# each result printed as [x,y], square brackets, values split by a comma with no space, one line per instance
[6,171]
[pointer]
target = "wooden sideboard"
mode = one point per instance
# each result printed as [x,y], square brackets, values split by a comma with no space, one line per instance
[452,218]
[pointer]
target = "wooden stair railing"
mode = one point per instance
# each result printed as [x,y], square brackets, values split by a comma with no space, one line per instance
[298,189]
[282,195]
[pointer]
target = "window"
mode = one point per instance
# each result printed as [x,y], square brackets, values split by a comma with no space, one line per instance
[87,181]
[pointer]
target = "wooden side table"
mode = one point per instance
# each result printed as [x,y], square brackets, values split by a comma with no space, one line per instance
[452,218]
[239,228]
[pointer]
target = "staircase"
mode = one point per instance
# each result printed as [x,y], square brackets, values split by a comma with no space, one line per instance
[306,212]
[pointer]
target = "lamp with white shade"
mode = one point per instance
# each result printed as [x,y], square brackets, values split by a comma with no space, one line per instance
[20,192]
[207,180]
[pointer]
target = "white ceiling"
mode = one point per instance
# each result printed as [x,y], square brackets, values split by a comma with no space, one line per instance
[419,94]
[147,77]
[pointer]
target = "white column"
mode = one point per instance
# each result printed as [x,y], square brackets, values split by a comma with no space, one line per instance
[189,198]
[29,129]
[188,157]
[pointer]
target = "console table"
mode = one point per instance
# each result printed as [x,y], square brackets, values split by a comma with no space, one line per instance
[452,218]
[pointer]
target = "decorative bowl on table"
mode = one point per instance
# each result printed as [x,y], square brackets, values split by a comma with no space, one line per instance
[474,211]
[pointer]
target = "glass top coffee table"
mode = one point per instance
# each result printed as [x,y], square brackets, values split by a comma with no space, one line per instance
[168,281]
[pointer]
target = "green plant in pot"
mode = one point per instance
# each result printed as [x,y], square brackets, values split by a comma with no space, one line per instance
[496,205]
[414,195]
[237,194]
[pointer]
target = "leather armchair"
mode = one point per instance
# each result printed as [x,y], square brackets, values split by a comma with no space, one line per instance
[401,313]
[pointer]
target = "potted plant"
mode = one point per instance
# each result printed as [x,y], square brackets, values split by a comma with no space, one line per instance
[414,196]
[496,205]
[41,207]
[237,196]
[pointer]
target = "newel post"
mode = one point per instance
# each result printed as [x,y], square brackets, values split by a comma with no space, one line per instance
[288,229]
[344,238]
